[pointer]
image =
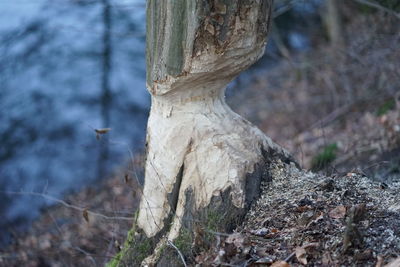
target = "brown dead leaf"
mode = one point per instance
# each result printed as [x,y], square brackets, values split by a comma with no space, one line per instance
[394,263]
[261,252]
[301,255]
[338,213]
[236,239]
[302,208]
[101,131]
[280,264]
[379,261]
[311,245]
[364,256]
[316,220]
[85,215]
[327,259]
[273,233]
[306,218]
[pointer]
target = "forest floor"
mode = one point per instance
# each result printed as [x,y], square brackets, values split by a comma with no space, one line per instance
[337,112]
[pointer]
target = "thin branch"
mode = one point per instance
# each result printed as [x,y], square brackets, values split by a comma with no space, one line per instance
[216,233]
[287,259]
[331,116]
[284,9]
[378,6]
[87,254]
[66,204]
[179,252]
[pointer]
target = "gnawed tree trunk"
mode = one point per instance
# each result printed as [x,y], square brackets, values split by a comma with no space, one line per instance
[204,162]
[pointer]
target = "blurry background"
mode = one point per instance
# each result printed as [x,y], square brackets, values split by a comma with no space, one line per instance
[326,89]
[67,67]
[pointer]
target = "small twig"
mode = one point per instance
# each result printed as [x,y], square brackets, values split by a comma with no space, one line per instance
[179,252]
[378,6]
[375,164]
[216,233]
[66,204]
[331,116]
[284,9]
[108,251]
[138,183]
[289,257]
[87,254]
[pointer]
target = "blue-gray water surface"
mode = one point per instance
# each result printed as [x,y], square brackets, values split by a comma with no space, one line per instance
[51,87]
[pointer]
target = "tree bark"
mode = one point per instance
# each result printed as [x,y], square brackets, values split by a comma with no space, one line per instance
[105,95]
[334,24]
[204,163]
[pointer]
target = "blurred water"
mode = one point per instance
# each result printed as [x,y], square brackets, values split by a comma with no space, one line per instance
[50,87]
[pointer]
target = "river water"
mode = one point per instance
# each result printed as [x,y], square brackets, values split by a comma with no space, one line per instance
[51,72]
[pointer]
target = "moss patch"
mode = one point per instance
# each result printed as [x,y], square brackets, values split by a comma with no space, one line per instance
[184,241]
[135,249]
[385,107]
[324,158]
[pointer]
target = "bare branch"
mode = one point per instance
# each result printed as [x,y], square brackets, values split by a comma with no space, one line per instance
[284,8]
[179,252]
[66,204]
[378,6]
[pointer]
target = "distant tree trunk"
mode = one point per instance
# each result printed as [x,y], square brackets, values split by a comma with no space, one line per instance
[334,23]
[205,163]
[105,98]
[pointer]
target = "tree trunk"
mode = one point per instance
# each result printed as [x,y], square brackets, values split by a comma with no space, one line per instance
[334,23]
[204,162]
[105,96]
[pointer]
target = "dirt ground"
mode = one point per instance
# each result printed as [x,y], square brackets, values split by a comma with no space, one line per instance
[308,219]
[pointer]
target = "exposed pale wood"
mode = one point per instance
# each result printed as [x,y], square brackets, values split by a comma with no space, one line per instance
[202,158]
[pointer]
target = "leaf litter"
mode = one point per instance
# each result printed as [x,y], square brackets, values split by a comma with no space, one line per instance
[307,219]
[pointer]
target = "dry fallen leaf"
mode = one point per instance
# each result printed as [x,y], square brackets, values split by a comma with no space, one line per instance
[316,220]
[101,131]
[237,239]
[379,261]
[85,215]
[338,213]
[327,259]
[301,255]
[306,218]
[280,264]
[302,208]
[394,263]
